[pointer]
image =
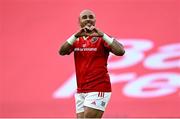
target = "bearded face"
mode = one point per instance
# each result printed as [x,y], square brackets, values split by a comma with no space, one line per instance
[87,18]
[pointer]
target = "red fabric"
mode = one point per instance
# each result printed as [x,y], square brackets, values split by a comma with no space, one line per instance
[91,65]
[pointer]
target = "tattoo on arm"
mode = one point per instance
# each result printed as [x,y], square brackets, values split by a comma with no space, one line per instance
[117,48]
[65,49]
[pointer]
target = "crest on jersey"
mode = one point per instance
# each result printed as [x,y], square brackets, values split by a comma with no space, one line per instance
[94,39]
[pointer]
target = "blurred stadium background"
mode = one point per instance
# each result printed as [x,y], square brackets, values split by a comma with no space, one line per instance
[36,82]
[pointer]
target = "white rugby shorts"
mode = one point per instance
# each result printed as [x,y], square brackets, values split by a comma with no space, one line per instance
[95,100]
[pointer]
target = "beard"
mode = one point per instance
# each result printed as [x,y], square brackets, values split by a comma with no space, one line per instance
[88,24]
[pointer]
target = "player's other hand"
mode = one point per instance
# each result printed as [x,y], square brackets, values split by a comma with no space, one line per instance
[80,33]
[93,31]
[89,31]
[97,33]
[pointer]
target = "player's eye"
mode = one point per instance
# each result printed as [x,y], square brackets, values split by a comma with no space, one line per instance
[91,17]
[84,17]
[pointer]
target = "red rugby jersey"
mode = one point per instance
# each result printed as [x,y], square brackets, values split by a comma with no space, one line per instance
[91,56]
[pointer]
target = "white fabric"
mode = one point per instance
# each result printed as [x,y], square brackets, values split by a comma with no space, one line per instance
[107,39]
[71,39]
[92,100]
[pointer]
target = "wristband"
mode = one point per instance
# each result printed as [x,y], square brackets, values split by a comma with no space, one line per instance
[107,39]
[71,39]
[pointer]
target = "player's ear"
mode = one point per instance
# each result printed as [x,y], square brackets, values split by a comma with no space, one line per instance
[79,21]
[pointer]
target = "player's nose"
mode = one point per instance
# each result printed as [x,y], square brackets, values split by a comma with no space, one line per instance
[88,19]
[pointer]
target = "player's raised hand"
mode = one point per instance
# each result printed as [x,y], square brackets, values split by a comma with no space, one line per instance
[97,33]
[93,31]
[89,31]
[85,31]
[80,33]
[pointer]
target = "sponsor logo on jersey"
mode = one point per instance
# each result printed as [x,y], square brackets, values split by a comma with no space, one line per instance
[85,49]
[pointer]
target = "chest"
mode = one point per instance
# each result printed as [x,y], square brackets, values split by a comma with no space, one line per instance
[88,47]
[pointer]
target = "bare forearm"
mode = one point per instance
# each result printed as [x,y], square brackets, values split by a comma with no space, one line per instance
[65,49]
[117,48]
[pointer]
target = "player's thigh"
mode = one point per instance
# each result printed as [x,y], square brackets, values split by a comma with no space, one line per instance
[80,115]
[92,113]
